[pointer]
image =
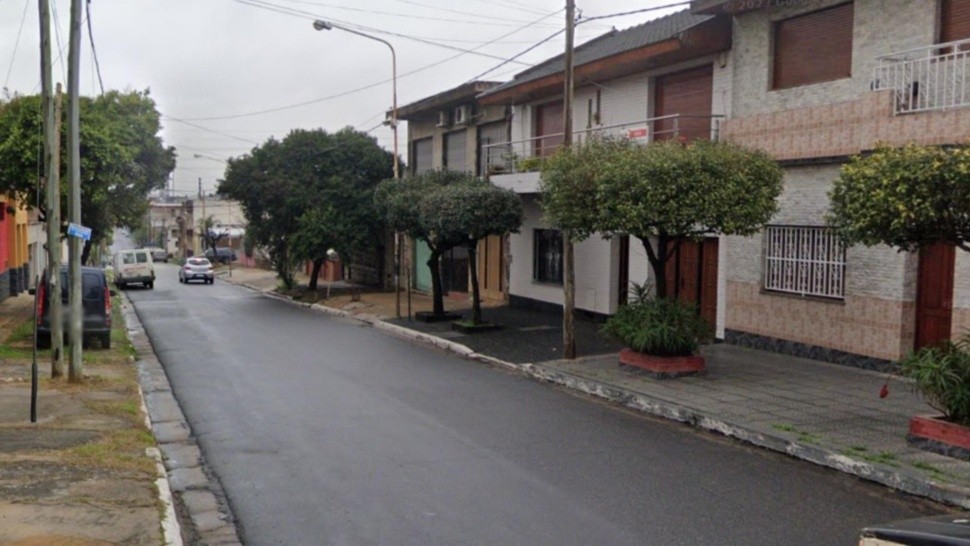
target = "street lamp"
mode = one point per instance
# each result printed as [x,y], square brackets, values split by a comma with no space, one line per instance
[326,25]
[209,157]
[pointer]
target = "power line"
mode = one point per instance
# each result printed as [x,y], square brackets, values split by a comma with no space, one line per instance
[503,63]
[57,34]
[206,129]
[365,87]
[16,44]
[94,52]
[505,21]
[634,12]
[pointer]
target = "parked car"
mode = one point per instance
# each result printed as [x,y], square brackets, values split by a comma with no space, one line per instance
[222,255]
[95,303]
[949,529]
[197,269]
[134,267]
[158,254]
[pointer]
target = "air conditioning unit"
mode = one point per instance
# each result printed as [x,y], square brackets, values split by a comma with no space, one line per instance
[463,114]
[443,119]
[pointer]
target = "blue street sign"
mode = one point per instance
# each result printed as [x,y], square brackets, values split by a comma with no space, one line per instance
[74,230]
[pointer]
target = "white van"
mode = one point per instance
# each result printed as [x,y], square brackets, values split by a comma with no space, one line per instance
[134,267]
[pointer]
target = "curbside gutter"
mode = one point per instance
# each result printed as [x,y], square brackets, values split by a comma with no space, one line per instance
[184,487]
[879,473]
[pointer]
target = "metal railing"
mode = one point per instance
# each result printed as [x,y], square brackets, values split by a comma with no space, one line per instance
[926,78]
[521,155]
[804,260]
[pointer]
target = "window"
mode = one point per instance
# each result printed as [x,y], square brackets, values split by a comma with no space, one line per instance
[422,155]
[142,257]
[547,256]
[812,48]
[127,258]
[809,261]
[454,156]
[954,20]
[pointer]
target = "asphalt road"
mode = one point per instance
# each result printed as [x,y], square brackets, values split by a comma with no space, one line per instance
[325,432]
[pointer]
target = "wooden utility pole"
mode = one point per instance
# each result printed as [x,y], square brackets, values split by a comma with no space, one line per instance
[52,170]
[569,273]
[75,331]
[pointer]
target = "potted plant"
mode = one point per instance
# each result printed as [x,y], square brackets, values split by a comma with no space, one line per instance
[662,335]
[941,374]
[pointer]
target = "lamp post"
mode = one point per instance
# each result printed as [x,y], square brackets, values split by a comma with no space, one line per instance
[326,25]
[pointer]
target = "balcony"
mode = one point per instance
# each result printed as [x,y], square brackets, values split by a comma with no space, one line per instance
[524,156]
[926,79]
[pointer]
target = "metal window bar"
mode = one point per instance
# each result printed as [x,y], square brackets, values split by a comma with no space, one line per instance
[804,260]
[926,78]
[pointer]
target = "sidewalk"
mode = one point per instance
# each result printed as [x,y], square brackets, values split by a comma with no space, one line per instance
[823,413]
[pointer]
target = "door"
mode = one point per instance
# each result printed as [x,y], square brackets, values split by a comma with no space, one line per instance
[422,274]
[934,294]
[623,284]
[692,276]
[549,121]
[490,267]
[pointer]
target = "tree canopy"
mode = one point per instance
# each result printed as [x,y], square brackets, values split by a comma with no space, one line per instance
[661,193]
[308,193]
[122,158]
[905,197]
[446,209]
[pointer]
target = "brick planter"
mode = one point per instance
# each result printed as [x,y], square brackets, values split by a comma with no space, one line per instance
[662,367]
[932,433]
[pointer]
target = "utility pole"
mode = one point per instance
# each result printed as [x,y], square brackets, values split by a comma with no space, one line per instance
[52,169]
[569,273]
[75,332]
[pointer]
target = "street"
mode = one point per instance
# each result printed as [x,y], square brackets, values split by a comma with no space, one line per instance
[325,432]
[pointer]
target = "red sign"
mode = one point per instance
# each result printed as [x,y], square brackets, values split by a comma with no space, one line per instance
[637,133]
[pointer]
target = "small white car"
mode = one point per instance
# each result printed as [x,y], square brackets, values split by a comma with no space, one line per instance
[195,269]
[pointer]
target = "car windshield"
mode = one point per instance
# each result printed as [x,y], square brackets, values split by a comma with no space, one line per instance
[142,258]
[128,258]
[199,261]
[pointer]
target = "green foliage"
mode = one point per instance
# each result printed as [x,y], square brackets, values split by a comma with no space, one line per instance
[122,157]
[659,327]
[209,235]
[941,374]
[904,197]
[308,193]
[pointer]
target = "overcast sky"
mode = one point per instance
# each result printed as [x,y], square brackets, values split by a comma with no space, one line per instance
[215,64]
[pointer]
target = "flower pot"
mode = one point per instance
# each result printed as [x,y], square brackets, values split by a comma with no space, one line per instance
[935,434]
[662,367]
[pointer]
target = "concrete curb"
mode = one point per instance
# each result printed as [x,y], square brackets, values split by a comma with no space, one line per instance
[882,474]
[183,484]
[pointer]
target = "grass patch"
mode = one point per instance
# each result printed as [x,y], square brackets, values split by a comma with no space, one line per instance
[22,334]
[809,438]
[119,450]
[883,457]
[784,427]
[927,467]
[126,409]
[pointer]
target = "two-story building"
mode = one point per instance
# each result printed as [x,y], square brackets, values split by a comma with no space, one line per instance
[14,260]
[667,78]
[448,131]
[814,82]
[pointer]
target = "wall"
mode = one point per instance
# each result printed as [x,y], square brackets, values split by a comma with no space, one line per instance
[877,316]
[961,294]
[880,27]
[595,260]
[420,128]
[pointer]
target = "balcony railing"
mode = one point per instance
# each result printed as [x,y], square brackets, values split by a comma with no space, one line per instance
[927,78]
[520,155]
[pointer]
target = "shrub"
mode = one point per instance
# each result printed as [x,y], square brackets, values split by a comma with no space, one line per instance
[659,327]
[942,376]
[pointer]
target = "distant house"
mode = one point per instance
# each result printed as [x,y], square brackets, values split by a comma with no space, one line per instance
[15,271]
[667,78]
[449,131]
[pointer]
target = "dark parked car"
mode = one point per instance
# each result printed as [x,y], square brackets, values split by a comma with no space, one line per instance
[222,255]
[95,302]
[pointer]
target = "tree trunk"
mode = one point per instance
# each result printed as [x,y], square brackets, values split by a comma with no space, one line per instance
[658,261]
[86,252]
[436,295]
[476,302]
[314,273]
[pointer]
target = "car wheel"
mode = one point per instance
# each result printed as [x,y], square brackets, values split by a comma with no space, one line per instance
[43,341]
[105,340]
[150,285]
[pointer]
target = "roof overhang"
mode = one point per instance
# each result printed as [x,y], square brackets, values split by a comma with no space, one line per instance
[706,38]
[721,7]
[429,106]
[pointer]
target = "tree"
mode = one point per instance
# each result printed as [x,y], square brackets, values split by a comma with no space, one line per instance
[210,235]
[401,204]
[662,193]
[905,197]
[122,158]
[308,193]
[471,211]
